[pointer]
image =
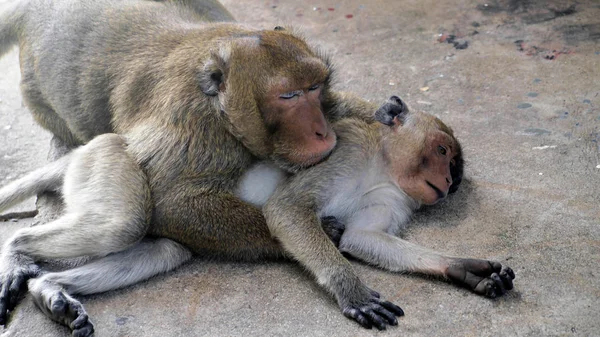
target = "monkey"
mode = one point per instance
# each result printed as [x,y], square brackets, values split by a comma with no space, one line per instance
[374,180]
[199,98]
[104,164]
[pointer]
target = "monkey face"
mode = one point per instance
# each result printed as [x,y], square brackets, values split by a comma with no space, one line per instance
[423,171]
[272,85]
[423,154]
[300,134]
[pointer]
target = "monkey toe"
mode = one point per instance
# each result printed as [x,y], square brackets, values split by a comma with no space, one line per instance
[80,322]
[84,331]
[58,306]
[82,326]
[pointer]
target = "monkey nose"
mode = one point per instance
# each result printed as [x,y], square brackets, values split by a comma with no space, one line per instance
[449,181]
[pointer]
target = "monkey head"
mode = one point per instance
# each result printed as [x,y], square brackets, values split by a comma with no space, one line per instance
[270,85]
[424,156]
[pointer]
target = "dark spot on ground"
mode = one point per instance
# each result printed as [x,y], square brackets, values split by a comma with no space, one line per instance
[532,94]
[524,106]
[121,320]
[574,34]
[453,40]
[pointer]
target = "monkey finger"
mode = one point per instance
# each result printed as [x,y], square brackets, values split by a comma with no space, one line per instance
[498,283]
[496,266]
[14,290]
[373,317]
[486,288]
[3,303]
[386,314]
[396,310]
[508,271]
[506,280]
[356,315]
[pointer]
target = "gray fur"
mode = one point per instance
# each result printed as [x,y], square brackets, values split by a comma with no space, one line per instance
[48,178]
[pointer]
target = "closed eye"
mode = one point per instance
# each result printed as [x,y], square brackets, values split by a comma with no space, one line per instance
[291,94]
[314,87]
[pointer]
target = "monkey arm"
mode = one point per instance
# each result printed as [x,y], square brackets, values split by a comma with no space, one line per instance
[392,253]
[381,249]
[292,219]
[339,105]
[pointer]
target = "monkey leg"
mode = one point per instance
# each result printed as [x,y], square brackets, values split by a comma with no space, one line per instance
[487,278]
[52,291]
[44,114]
[62,238]
[216,224]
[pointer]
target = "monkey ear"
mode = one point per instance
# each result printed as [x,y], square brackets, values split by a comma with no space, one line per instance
[211,77]
[392,113]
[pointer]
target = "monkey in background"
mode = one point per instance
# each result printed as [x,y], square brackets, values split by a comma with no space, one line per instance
[198,102]
[374,180]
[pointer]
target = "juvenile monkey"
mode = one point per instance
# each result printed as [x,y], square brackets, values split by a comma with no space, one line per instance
[198,101]
[377,176]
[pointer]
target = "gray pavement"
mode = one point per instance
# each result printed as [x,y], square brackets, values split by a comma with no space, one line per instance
[519,81]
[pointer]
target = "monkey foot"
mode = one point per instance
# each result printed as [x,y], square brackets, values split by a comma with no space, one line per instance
[376,313]
[333,228]
[488,278]
[13,276]
[61,307]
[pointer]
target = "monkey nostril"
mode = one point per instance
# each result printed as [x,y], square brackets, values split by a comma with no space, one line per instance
[448,181]
[321,135]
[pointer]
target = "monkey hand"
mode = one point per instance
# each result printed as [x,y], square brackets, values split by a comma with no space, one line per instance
[488,278]
[333,228]
[14,274]
[369,310]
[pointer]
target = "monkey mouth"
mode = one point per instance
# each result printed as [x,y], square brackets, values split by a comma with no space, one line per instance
[440,194]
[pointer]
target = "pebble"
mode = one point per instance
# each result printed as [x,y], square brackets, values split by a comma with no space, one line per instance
[532,94]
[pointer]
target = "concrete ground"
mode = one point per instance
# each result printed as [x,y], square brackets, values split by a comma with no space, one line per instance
[519,81]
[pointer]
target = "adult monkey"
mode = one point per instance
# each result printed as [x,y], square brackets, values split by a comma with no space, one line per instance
[198,103]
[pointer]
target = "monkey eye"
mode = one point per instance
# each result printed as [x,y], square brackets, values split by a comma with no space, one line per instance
[291,94]
[314,87]
[442,150]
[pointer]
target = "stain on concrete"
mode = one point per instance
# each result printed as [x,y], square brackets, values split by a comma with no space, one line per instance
[575,34]
[453,40]
[524,106]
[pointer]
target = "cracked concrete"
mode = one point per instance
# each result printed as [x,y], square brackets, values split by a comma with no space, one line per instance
[523,98]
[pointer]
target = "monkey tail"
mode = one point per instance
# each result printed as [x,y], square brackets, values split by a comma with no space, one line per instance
[47,178]
[11,20]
